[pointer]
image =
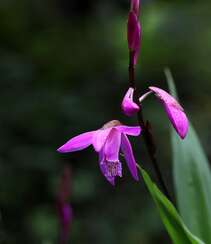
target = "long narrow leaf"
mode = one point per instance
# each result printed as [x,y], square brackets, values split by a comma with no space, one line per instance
[192,178]
[171,219]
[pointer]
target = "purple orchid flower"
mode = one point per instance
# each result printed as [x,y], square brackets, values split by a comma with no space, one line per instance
[129,107]
[173,110]
[108,141]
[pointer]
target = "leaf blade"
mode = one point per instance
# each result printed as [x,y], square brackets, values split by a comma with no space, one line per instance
[192,179]
[171,219]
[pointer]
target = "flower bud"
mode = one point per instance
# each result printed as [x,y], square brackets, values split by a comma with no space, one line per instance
[134,35]
[135,6]
[173,110]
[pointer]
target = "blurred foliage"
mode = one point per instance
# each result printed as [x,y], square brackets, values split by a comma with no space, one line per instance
[63,67]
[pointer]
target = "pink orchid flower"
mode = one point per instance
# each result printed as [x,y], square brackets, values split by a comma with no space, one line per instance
[173,110]
[107,142]
[129,107]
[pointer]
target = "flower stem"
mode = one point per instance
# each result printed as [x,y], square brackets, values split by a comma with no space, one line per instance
[146,130]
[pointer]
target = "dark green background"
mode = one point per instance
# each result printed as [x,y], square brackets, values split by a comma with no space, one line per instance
[63,71]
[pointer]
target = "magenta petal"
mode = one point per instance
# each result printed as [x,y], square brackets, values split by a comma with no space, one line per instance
[129,130]
[112,145]
[174,111]
[99,138]
[77,143]
[129,157]
[128,106]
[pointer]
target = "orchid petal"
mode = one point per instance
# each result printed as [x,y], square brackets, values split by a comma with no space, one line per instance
[129,157]
[128,106]
[103,169]
[129,130]
[77,143]
[174,111]
[112,145]
[99,138]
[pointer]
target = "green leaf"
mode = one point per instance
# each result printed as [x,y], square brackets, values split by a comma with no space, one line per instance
[177,230]
[192,178]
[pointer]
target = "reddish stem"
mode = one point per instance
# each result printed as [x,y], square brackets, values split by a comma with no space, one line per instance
[146,129]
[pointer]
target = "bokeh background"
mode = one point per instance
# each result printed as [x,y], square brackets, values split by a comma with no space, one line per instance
[63,71]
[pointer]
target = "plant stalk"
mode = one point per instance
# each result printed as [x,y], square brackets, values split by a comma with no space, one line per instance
[146,129]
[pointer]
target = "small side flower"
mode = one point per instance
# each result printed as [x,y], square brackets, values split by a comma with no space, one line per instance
[129,107]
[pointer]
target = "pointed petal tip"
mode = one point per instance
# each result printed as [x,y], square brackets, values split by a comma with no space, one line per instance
[183,133]
[61,150]
[77,143]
